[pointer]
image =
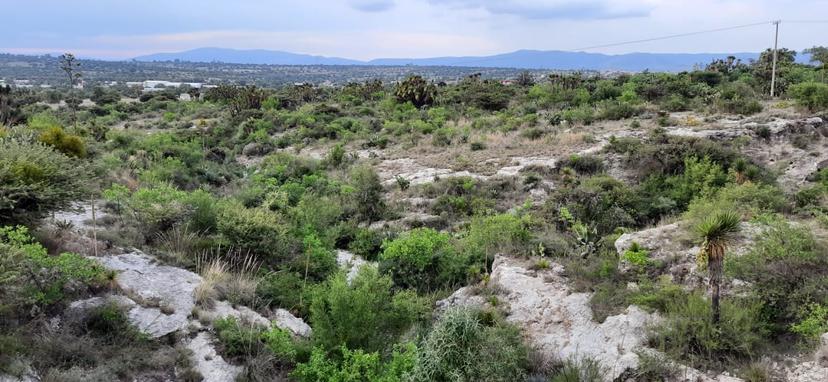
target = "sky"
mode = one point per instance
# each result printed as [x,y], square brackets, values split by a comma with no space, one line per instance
[366,29]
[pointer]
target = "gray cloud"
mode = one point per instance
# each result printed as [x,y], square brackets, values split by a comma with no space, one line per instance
[561,9]
[373,5]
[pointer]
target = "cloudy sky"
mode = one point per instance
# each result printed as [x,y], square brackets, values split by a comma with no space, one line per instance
[365,29]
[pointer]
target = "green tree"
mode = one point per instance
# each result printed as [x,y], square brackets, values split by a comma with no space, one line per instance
[716,231]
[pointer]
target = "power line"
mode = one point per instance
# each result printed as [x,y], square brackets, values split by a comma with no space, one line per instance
[672,36]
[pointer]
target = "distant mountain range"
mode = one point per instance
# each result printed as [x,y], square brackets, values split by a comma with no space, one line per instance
[523,59]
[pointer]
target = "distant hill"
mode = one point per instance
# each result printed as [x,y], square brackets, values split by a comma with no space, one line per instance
[254,56]
[523,59]
[537,59]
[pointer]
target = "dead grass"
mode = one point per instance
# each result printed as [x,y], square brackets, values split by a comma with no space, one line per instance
[232,278]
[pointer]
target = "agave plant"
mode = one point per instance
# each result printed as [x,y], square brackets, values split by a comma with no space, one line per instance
[716,232]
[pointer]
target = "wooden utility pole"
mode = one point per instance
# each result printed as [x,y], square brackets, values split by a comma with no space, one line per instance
[773,68]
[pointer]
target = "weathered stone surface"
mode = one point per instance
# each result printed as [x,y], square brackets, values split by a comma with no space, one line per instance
[351,263]
[211,365]
[79,310]
[415,173]
[464,296]
[807,372]
[559,322]
[520,163]
[674,245]
[164,293]
[287,321]
[821,355]
[223,309]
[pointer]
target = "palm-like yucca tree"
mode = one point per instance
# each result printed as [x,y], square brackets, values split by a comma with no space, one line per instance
[716,231]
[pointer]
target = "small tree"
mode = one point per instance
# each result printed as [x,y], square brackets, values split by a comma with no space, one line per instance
[367,196]
[716,231]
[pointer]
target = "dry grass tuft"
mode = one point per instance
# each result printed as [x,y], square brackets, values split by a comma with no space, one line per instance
[231,277]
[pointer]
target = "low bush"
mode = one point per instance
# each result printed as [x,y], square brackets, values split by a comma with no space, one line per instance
[423,259]
[811,95]
[258,231]
[471,345]
[787,268]
[30,278]
[688,334]
[68,144]
[36,180]
[738,98]
[356,365]
[363,314]
[584,164]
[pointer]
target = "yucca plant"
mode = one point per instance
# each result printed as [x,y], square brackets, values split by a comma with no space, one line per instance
[716,232]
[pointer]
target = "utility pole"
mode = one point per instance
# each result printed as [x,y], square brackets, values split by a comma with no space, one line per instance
[773,69]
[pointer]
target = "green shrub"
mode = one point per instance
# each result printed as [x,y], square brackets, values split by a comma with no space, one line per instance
[367,244]
[469,345]
[258,231]
[68,144]
[35,180]
[748,199]
[488,236]
[738,98]
[356,366]
[111,323]
[367,196]
[812,95]
[600,202]
[586,164]
[363,314]
[658,295]
[687,333]
[30,277]
[246,341]
[423,259]
[636,255]
[283,289]
[813,322]
[787,268]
